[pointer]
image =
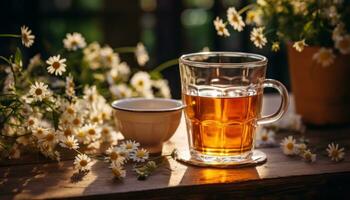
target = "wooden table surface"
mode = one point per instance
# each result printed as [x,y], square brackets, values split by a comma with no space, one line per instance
[280,176]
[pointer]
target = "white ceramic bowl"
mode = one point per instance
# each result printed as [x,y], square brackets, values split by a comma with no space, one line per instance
[148,121]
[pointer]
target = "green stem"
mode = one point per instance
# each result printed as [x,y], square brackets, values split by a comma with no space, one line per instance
[247,7]
[165,65]
[10,35]
[125,49]
[5,59]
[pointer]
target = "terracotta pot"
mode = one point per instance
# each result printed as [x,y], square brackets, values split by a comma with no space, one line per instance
[322,94]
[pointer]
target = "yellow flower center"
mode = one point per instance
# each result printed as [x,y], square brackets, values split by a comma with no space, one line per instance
[92,132]
[95,119]
[74,43]
[140,83]
[290,146]
[344,44]
[258,39]
[114,155]
[69,144]
[39,132]
[67,132]
[31,122]
[140,154]
[105,131]
[325,56]
[335,153]
[128,146]
[25,38]
[235,18]
[38,91]
[83,163]
[70,111]
[76,121]
[56,65]
[264,138]
[50,137]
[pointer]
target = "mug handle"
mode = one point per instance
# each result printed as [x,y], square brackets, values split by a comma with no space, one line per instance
[284,102]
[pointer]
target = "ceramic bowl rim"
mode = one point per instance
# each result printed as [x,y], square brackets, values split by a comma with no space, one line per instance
[177,105]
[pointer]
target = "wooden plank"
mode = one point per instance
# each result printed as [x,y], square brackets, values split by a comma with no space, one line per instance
[280,175]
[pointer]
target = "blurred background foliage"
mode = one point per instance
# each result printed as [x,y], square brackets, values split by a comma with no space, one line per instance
[168,28]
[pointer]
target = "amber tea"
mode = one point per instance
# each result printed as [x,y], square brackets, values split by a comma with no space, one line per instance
[222,126]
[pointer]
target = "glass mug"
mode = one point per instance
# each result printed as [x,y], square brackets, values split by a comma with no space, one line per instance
[223,93]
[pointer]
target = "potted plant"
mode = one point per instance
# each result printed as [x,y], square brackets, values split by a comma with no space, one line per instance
[317,37]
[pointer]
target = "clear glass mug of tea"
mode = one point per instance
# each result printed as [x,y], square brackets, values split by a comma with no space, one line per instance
[223,94]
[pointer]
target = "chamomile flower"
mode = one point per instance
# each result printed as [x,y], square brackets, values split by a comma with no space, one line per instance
[108,57]
[261,3]
[109,135]
[141,54]
[275,46]
[69,142]
[300,45]
[265,137]
[69,89]
[118,171]
[81,135]
[57,65]
[39,91]
[235,19]
[121,91]
[92,55]
[257,37]
[343,44]
[90,94]
[220,27]
[162,88]
[92,132]
[130,145]
[288,145]
[308,156]
[93,147]
[139,155]
[338,31]
[299,149]
[14,152]
[123,70]
[324,57]
[39,131]
[253,17]
[141,81]
[114,156]
[95,117]
[27,37]
[123,152]
[49,139]
[31,122]
[82,162]
[74,41]
[67,130]
[335,152]
[77,121]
